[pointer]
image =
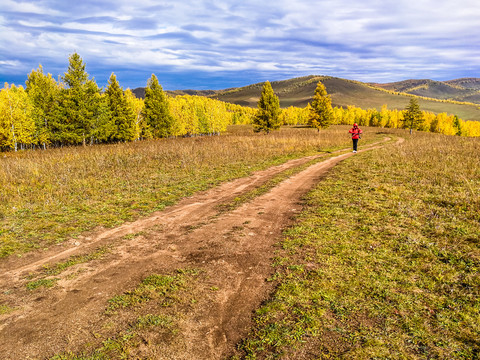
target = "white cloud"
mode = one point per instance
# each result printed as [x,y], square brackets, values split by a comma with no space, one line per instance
[34,23]
[10,63]
[334,37]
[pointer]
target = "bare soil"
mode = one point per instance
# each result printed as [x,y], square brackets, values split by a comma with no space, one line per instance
[233,250]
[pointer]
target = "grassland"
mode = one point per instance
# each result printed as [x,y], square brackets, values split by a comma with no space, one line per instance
[383,263]
[49,196]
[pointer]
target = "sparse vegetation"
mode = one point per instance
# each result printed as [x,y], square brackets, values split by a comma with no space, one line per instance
[46,283]
[58,268]
[166,291]
[5,309]
[153,287]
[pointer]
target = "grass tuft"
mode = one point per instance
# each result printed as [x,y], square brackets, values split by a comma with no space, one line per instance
[46,283]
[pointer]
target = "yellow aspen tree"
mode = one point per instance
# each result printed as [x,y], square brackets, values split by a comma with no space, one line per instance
[17,127]
[384,116]
[219,116]
[190,116]
[338,115]
[471,128]
[446,126]
[428,118]
[136,106]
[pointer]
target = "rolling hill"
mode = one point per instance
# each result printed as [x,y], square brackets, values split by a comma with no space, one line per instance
[466,89]
[299,92]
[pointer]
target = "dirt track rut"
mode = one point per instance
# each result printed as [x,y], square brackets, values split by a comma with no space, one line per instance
[234,251]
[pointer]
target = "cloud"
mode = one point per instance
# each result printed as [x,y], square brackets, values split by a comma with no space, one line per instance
[372,40]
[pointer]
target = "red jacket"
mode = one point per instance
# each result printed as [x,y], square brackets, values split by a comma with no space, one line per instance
[355,131]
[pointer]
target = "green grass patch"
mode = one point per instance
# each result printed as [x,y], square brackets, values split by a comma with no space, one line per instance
[151,320]
[160,287]
[58,268]
[133,236]
[5,309]
[45,283]
[114,348]
[384,262]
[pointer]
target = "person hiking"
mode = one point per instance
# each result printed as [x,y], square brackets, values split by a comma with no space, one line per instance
[355,131]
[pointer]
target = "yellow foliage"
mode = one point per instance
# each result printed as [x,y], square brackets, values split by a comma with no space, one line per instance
[17,127]
[195,115]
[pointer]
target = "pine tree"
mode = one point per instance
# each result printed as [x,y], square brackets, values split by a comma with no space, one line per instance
[457,125]
[101,128]
[156,111]
[78,104]
[43,92]
[321,115]
[121,115]
[412,116]
[267,117]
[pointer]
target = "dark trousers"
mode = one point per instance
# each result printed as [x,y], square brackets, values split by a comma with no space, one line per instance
[355,143]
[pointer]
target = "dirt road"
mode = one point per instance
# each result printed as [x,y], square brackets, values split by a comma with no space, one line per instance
[233,250]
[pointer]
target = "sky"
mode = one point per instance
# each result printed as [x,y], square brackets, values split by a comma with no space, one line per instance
[206,44]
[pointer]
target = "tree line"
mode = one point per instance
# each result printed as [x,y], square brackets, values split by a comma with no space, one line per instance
[319,113]
[74,111]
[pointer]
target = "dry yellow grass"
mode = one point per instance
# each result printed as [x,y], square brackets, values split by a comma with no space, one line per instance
[49,196]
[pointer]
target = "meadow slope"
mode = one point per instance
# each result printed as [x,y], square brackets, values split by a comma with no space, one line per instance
[196,269]
[380,260]
[384,261]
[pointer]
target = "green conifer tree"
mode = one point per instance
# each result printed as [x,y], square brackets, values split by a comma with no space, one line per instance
[101,126]
[156,111]
[457,125]
[121,115]
[412,116]
[267,117]
[78,104]
[321,113]
[43,91]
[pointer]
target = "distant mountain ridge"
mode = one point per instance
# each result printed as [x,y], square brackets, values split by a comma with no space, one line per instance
[299,92]
[465,89]
[140,92]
